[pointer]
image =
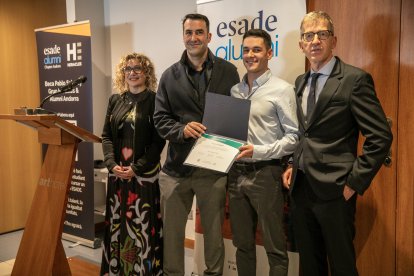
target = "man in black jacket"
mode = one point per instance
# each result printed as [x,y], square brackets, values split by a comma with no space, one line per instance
[179,108]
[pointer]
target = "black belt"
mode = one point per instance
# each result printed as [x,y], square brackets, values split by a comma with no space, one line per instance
[253,166]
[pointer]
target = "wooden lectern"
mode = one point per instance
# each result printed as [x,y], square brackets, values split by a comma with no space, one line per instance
[41,251]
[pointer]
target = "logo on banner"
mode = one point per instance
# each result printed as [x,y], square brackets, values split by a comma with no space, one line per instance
[235,29]
[74,54]
[52,57]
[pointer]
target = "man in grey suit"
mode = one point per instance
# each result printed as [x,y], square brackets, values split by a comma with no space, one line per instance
[335,103]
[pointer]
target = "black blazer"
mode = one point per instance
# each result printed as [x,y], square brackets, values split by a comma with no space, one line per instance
[347,106]
[148,144]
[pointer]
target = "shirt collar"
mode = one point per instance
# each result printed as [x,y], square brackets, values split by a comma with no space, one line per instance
[208,63]
[257,83]
[260,80]
[326,70]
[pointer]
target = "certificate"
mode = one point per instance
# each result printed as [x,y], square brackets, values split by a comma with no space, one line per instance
[226,119]
[213,152]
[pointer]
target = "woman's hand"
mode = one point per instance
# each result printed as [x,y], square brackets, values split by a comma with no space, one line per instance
[123,172]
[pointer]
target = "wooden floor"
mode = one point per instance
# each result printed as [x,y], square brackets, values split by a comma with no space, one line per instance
[80,267]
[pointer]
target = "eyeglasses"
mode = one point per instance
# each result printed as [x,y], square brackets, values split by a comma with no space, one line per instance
[322,35]
[137,69]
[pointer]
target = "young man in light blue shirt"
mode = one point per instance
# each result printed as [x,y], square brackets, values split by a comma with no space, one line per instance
[255,188]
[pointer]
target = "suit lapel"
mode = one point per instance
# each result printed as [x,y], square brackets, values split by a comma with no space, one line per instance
[327,92]
[299,96]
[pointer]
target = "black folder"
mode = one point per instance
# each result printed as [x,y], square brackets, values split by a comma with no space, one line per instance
[226,116]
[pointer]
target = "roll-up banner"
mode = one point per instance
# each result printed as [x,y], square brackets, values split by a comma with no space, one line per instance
[229,20]
[64,54]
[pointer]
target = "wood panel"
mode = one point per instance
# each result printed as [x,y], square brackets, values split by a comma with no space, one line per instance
[43,229]
[82,267]
[405,187]
[368,37]
[19,150]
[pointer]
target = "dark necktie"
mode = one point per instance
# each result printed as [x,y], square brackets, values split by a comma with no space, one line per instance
[311,97]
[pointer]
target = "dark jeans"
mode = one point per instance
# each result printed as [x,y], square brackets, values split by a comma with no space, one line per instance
[255,197]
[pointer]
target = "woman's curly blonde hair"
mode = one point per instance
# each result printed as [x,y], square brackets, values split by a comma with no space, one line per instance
[151,80]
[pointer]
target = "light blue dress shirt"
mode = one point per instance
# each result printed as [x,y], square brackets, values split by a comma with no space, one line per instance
[273,123]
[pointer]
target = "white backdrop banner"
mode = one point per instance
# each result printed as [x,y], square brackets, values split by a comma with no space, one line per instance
[229,20]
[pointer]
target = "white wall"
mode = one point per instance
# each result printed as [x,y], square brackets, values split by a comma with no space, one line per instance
[93,10]
[150,27]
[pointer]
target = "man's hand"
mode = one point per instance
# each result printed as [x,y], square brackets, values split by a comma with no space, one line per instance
[246,151]
[193,130]
[348,192]
[287,177]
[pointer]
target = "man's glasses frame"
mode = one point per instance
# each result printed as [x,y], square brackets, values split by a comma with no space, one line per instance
[322,35]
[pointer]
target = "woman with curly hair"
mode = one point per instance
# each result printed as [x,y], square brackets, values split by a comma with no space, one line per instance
[132,147]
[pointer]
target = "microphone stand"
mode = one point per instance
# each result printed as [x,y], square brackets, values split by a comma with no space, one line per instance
[40,109]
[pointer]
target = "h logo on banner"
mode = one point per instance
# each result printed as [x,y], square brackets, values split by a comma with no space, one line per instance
[74,51]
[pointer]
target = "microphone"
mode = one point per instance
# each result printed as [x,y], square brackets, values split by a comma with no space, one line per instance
[68,87]
[72,84]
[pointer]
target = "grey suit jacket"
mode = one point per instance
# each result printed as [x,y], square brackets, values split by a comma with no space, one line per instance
[347,106]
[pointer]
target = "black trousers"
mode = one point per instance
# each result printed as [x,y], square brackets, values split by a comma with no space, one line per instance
[324,231]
